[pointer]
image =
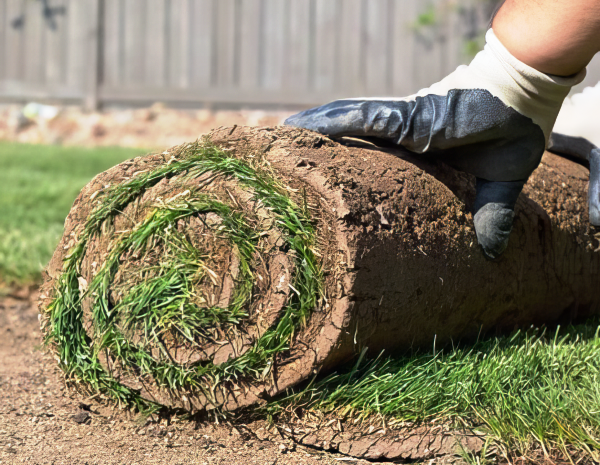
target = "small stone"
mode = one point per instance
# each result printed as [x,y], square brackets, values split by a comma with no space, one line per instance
[81,417]
[262,434]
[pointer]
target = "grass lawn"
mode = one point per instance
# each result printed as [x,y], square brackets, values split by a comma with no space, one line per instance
[38,184]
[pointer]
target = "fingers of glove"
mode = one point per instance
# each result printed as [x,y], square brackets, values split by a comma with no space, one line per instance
[494,214]
[493,224]
[584,151]
[501,193]
[351,118]
[576,147]
[594,187]
[493,141]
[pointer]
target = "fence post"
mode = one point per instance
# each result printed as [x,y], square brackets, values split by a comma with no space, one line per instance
[94,58]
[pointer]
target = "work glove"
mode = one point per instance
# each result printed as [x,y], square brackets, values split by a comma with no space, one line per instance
[492,118]
[588,154]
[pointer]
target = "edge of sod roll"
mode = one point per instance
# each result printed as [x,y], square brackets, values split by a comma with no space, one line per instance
[79,352]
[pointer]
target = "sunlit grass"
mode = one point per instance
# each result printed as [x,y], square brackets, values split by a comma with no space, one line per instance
[532,390]
[38,184]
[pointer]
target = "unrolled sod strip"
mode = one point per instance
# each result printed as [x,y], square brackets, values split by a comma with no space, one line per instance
[222,272]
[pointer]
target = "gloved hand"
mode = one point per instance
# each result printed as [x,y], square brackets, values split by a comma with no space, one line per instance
[492,119]
[583,150]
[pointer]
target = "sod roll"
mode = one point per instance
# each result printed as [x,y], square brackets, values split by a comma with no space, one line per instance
[221,272]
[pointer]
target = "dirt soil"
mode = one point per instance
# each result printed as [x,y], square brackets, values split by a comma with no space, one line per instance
[153,128]
[42,422]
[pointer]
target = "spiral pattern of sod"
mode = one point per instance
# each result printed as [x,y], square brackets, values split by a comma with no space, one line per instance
[150,320]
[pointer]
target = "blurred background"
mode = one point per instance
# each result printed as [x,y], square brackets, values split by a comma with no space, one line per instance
[233,53]
[148,74]
[237,61]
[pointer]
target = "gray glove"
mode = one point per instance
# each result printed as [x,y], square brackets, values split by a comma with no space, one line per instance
[492,119]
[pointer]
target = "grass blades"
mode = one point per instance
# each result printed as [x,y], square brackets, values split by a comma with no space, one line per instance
[38,184]
[532,389]
[79,353]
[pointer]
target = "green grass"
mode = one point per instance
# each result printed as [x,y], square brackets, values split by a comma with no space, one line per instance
[529,391]
[38,184]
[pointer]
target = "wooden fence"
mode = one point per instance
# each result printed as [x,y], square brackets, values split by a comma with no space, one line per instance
[231,52]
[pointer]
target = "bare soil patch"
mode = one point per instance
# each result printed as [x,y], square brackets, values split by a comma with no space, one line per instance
[42,422]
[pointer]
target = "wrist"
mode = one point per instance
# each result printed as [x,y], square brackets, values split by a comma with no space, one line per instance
[557,37]
[531,92]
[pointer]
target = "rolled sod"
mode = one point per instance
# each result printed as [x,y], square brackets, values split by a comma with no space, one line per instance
[222,272]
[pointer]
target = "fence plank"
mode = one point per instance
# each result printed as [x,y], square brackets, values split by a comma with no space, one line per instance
[274,21]
[185,34]
[404,82]
[428,57]
[112,43]
[91,27]
[225,44]
[155,44]
[133,41]
[78,13]
[455,44]
[15,21]
[55,41]
[377,43]
[84,35]
[178,52]
[3,27]
[350,75]
[201,37]
[34,50]
[249,69]
[325,20]
[297,52]
[215,95]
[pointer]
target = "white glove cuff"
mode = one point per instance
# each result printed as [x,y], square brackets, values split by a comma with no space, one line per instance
[532,93]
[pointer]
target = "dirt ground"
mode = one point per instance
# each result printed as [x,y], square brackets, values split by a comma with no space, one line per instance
[154,128]
[42,422]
